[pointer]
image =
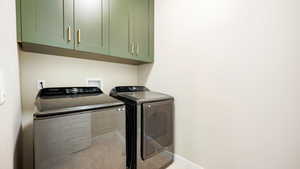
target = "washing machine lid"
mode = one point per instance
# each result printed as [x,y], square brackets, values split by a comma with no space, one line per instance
[54,101]
[144,96]
[138,94]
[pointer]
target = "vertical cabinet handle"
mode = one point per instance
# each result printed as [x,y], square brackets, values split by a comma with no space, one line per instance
[132,48]
[69,34]
[78,36]
[137,49]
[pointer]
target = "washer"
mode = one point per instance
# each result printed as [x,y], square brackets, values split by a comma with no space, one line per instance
[149,127]
[79,128]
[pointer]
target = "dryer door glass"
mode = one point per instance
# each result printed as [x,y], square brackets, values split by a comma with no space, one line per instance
[157,127]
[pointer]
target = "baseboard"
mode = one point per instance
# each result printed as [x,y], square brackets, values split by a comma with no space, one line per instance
[183,163]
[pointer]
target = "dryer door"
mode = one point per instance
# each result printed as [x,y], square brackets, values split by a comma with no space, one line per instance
[157,127]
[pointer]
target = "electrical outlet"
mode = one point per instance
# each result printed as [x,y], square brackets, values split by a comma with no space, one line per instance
[40,84]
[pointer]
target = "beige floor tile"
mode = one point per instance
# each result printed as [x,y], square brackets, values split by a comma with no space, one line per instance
[174,167]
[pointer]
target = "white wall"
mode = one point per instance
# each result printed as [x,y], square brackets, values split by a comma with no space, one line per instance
[233,67]
[10,112]
[59,71]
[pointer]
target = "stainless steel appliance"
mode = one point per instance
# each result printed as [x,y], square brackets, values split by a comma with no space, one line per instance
[79,128]
[150,127]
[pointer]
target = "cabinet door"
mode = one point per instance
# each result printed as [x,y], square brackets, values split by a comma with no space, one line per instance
[18,18]
[121,44]
[143,28]
[91,25]
[48,22]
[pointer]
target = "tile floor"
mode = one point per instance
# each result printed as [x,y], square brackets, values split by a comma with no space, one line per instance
[173,167]
[176,166]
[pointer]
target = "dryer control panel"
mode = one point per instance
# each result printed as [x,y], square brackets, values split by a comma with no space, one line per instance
[131,89]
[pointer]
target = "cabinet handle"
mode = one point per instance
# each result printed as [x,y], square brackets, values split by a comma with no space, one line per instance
[132,49]
[137,49]
[78,36]
[69,34]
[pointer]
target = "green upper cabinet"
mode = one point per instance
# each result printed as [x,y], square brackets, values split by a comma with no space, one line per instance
[91,25]
[143,29]
[151,31]
[120,29]
[19,24]
[47,22]
[119,24]
[131,29]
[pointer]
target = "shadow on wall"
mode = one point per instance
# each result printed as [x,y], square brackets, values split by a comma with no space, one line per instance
[144,73]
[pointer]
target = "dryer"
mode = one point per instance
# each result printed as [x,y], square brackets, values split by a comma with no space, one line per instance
[149,127]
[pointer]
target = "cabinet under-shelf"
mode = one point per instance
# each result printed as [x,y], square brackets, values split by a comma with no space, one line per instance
[43,49]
